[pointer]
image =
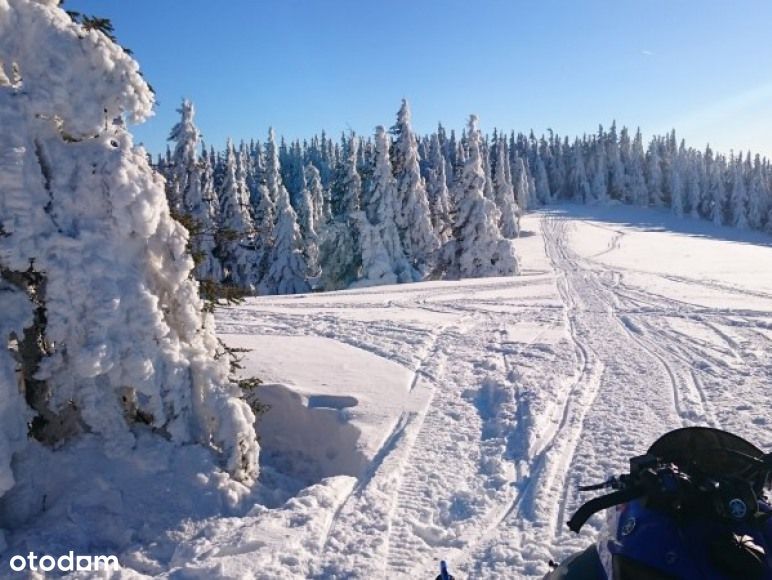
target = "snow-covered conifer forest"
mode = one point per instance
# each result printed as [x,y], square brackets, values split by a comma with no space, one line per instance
[347,357]
[400,207]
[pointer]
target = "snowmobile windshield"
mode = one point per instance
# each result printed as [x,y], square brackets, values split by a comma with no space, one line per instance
[711,451]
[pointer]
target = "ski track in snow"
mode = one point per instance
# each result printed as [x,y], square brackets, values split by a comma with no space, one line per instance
[518,398]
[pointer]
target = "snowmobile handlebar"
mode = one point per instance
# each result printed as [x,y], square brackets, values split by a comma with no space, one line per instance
[665,486]
[601,503]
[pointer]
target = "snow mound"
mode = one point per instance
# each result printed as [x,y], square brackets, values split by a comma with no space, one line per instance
[308,437]
[328,416]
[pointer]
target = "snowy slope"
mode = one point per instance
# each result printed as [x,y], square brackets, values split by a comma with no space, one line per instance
[455,420]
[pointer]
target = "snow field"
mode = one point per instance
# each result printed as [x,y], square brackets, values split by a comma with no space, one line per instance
[443,420]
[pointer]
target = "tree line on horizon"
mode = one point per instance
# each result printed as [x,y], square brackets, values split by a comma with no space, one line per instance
[277,217]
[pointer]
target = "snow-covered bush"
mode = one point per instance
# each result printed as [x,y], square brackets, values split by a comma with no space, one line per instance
[92,266]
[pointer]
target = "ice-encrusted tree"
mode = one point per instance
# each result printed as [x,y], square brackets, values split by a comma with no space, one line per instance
[716,192]
[383,258]
[413,215]
[677,186]
[287,267]
[637,190]
[437,190]
[306,219]
[599,185]
[509,223]
[756,193]
[579,183]
[236,245]
[477,248]
[541,181]
[520,183]
[101,317]
[320,201]
[191,181]
[340,254]
[738,199]
[654,176]
[693,187]
[616,168]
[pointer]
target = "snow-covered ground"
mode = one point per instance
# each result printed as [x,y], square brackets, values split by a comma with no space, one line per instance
[454,420]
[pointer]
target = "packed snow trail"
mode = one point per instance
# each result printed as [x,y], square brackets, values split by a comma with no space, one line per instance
[455,420]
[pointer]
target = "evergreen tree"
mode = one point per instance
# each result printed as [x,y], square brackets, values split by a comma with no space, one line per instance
[520,184]
[716,193]
[192,183]
[580,186]
[676,187]
[340,253]
[413,215]
[693,187]
[319,197]
[477,248]
[437,190]
[236,246]
[541,182]
[615,167]
[97,298]
[287,268]
[739,196]
[383,259]
[654,176]
[509,222]
[599,185]
[756,206]
[307,221]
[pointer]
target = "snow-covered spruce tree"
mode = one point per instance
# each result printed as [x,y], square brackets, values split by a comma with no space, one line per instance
[477,248]
[287,269]
[266,214]
[485,157]
[677,186]
[520,183]
[654,175]
[383,259]
[509,223]
[104,322]
[738,199]
[616,169]
[264,209]
[578,182]
[340,256]
[319,200]
[693,186]
[413,215]
[541,182]
[635,176]
[599,186]
[756,195]
[717,192]
[236,242]
[306,218]
[191,181]
[437,190]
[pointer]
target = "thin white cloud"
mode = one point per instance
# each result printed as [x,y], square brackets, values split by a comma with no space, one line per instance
[647,53]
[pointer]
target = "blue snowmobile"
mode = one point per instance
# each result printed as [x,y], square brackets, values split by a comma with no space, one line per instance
[695,506]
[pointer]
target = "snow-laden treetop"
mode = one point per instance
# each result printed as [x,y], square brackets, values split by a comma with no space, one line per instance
[53,57]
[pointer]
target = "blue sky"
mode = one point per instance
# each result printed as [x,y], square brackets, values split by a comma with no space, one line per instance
[704,68]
